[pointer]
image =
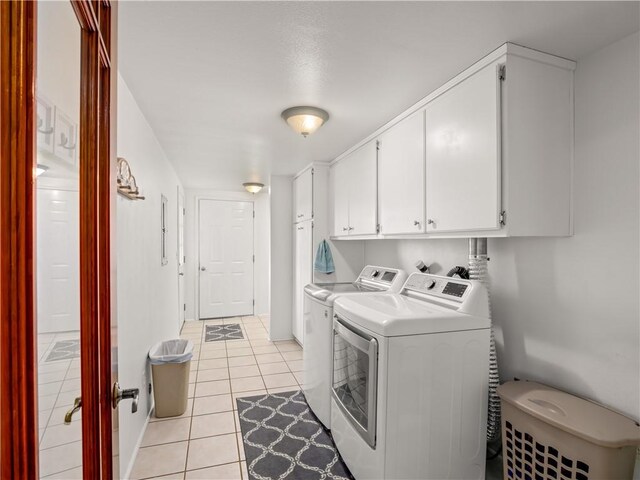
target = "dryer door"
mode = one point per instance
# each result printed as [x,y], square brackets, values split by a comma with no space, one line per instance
[355,377]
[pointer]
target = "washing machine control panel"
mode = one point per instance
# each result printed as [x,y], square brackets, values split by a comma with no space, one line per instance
[444,287]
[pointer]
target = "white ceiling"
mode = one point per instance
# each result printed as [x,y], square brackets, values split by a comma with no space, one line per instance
[213,77]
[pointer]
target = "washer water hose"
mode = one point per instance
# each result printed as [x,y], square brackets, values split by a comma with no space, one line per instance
[478,271]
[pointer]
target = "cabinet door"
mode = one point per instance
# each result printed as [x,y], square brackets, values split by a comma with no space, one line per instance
[463,155]
[303,196]
[303,263]
[401,177]
[340,180]
[363,190]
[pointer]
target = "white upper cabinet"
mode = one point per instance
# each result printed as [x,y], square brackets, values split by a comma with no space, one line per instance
[303,196]
[363,190]
[463,155]
[401,177]
[488,154]
[355,192]
[340,182]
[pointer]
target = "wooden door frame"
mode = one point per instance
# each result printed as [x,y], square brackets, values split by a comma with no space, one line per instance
[18,346]
[18,322]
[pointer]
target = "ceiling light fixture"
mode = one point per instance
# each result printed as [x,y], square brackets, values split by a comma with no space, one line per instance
[305,120]
[253,187]
[40,169]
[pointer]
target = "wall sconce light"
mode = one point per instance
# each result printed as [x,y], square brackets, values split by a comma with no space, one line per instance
[305,120]
[253,187]
[127,186]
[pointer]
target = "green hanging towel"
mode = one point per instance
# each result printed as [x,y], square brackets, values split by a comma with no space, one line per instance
[324,259]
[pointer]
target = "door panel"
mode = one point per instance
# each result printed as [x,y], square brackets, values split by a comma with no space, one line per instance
[362,184]
[226,258]
[463,155]
[303,196]
[401,177]
[181,259]
[58,294]
[340,181]
[59,263]
[303,265]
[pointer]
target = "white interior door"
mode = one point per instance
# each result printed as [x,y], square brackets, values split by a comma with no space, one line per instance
[226,258]
[58,261]
[181,259]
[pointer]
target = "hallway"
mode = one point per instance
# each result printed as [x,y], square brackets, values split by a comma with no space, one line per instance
[205,441]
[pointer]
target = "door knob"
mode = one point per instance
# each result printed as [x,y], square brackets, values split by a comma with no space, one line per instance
[202,269]
[125,393]
[77,405]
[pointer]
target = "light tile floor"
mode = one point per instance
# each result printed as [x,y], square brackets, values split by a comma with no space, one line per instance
[58,386]
[205,442]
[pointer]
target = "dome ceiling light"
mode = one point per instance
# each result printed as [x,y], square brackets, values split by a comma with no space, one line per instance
[305,120]
[253,187]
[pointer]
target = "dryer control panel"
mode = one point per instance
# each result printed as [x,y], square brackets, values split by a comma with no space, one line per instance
[382,277]
[453,289]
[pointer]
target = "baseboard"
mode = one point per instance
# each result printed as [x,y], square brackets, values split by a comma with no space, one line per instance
[127,474]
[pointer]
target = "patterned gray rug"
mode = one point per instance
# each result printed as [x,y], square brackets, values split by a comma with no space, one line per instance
[283,440]
[215,333]
[64,350]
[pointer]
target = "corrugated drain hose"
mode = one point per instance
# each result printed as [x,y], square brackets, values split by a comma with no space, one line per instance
[478,271]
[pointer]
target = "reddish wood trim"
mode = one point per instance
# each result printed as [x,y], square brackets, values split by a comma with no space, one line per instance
[18,351]
[105,182]
[89,287]
[86,15]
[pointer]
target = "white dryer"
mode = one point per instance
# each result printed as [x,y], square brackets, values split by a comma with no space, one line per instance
[410,380]
[318,327]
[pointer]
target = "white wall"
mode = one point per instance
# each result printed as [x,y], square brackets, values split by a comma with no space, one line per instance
[566,309]
[260,240]
[281,198]
[147,292]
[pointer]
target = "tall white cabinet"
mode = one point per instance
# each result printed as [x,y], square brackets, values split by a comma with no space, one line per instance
[309,229]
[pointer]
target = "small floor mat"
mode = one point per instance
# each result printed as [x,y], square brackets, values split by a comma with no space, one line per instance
[215,333]
[64,350]
[284,440]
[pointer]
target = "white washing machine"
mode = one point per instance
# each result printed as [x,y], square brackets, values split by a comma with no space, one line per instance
[318,327]
[410,380]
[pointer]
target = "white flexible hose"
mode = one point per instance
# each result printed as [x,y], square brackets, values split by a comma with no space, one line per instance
[478,270]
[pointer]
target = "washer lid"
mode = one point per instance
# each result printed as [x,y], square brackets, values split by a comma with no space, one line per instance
[392,314]
[322,291]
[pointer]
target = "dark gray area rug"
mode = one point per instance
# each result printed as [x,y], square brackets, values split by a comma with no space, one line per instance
[64,350]
[283,440]
[215,333]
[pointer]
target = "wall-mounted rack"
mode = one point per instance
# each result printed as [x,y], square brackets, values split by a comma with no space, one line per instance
[127,186]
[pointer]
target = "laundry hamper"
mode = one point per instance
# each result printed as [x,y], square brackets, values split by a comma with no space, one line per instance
[549,434]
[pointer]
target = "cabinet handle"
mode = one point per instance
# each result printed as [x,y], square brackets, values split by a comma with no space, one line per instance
[300,215]
[345,229]
[416,223]
[431,222]
[300,228]
[350,228]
